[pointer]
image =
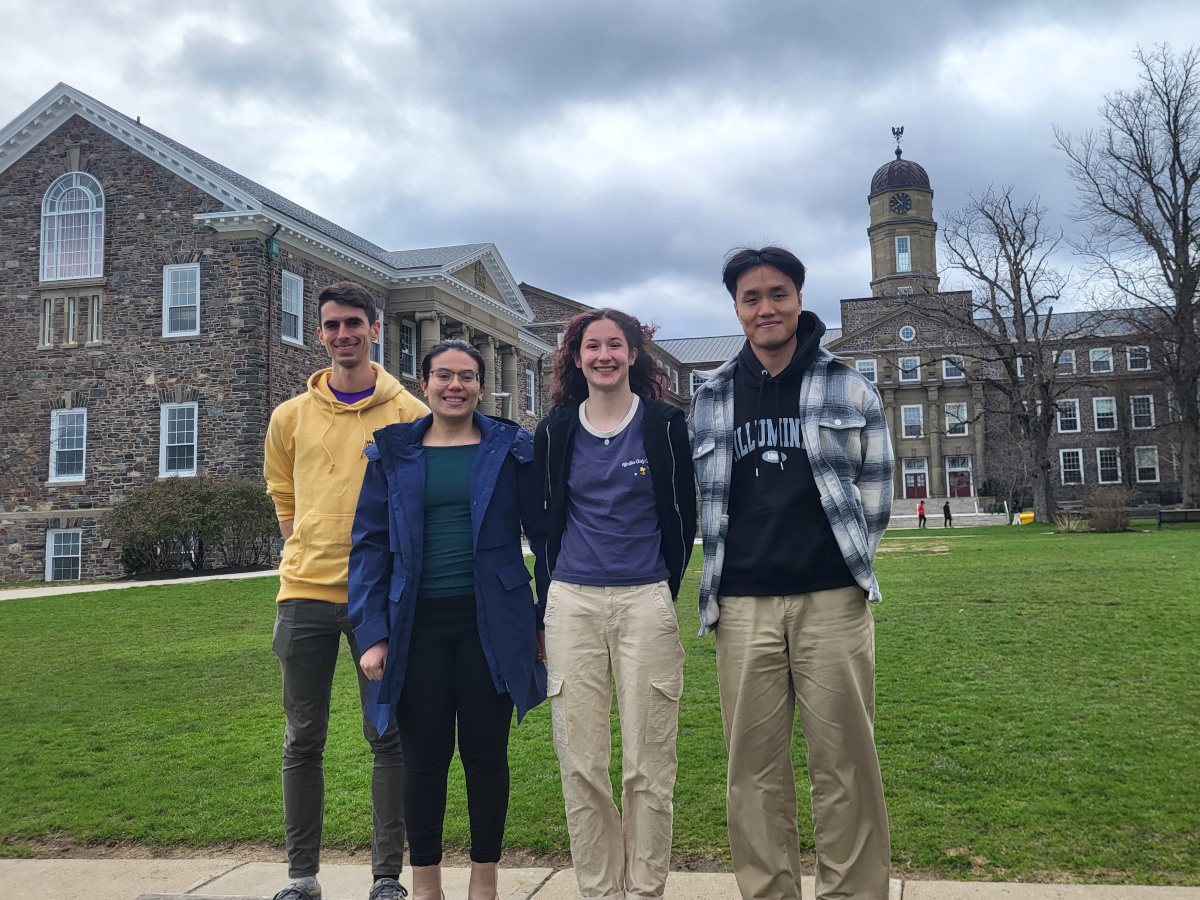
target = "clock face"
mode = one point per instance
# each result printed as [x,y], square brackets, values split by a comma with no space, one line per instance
[901,203]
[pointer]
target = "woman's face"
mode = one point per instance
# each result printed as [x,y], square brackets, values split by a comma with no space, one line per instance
[451,399]
[604,356]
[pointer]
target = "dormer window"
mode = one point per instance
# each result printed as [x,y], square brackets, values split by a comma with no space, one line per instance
[73,228]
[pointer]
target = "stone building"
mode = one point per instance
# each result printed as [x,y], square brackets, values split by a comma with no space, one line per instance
[163,305]
[1113,425]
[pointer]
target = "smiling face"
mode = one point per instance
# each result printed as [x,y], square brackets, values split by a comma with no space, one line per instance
[768,306]
[604,356]
[452,401]
[346,334]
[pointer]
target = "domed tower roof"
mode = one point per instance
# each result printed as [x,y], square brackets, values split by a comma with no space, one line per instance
[899,173]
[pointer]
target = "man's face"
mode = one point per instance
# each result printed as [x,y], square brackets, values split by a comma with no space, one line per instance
[345,334]
[768,306]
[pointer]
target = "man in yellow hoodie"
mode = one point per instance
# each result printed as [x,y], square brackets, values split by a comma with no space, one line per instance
[314,467]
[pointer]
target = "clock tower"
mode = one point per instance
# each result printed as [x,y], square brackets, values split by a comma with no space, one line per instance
[903,233]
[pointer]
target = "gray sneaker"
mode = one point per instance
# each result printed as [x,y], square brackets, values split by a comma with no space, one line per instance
[388,889]
[297,891]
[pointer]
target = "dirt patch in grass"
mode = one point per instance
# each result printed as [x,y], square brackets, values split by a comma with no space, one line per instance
[916,548]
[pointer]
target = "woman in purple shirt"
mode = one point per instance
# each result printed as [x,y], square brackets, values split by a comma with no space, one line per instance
[621,499]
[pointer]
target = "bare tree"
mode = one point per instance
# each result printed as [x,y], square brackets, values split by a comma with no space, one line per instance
[1139,193]
[1007,323]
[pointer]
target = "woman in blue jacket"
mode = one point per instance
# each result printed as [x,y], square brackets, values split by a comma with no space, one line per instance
[440,598]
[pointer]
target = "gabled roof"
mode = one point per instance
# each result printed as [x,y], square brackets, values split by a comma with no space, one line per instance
[250,206]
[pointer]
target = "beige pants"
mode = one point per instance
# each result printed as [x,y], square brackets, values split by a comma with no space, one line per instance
[596,636]
[818,651]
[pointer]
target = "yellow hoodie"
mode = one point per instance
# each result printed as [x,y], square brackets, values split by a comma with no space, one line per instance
[314,466]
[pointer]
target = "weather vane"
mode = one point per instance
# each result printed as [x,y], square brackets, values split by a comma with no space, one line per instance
[898,134]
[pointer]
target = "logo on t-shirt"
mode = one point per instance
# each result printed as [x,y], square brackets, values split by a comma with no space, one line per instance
[639,466]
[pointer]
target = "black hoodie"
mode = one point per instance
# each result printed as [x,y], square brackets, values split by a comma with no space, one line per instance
[779,539]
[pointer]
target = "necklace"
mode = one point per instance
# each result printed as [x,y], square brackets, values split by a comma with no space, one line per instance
[612,432]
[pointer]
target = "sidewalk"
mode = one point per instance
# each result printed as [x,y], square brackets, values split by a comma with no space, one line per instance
[192,879]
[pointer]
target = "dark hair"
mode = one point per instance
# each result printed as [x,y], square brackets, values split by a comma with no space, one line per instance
[348,293]
[647,378]
[452,344]
[745,258]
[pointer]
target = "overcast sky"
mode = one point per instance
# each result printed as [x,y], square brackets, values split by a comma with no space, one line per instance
[614,152]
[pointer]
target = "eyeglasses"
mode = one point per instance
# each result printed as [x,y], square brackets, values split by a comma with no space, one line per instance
[445,376]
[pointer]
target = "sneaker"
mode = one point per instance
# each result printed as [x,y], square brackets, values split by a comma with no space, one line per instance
[299,891]
[388,889]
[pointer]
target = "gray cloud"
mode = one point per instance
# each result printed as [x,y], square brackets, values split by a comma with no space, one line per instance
[614,152]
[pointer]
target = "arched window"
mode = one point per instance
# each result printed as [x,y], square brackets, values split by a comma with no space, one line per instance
[73,228]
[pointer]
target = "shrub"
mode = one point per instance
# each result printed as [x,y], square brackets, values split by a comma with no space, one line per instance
[1109,508]
[176,523]
[1070,521]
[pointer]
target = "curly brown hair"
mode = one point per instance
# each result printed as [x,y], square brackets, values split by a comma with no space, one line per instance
[647,377]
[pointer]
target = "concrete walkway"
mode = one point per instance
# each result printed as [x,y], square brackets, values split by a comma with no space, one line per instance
[54,589]
[192,879]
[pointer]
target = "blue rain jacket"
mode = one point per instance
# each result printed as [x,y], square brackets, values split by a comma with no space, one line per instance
[386,556]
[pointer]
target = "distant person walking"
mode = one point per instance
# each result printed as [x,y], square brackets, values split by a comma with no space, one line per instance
[949,523]
[921,514]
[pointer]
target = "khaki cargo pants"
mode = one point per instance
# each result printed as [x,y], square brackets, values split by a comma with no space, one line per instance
[815,651]
[595,637]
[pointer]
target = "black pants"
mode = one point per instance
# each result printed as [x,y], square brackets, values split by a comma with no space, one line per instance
[447,678]
[308,635]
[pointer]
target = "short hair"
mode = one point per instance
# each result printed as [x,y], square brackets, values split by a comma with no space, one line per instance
[452,344]
[742,259]
[348,293]
[647,377]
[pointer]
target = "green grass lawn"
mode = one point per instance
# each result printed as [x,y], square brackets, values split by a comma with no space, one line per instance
[1039,715]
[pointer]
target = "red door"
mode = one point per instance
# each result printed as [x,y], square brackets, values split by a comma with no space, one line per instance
[960,483]
[914,486]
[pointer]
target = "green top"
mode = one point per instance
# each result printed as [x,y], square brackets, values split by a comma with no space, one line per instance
[448,563]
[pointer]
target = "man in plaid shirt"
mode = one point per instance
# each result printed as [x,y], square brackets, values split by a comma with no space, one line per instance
[795,465]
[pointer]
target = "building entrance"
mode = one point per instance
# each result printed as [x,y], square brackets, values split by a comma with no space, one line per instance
[958,476]
[915,479]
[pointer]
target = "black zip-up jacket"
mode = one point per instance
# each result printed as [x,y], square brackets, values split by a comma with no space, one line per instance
[664,431]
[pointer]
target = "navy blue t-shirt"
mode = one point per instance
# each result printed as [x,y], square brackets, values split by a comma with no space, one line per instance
[611,537]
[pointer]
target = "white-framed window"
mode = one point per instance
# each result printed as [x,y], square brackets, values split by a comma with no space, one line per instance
[1020,367]
[408,349]
[908,333]
[1108,464]
[956,419]
[1068,416]
[47,331]
[177,445]
[868,369]
[181,299]
[1101,360]
[377,345]
[912,420]
[1064,362]
[1070,465]
[903,256]
[910,368]
[699,377]
[1141,410]
[95,329]
[73,228]
[68,444]
[293,308]
[64,551]
[530,392]
[952,367]
[674,379]
[72,317]
[1104,413]
[1137,359]
[1145,461]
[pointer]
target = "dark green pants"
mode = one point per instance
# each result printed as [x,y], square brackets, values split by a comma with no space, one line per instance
[308,636]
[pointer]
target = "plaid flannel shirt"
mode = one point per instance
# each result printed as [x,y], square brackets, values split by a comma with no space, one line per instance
[842,417]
